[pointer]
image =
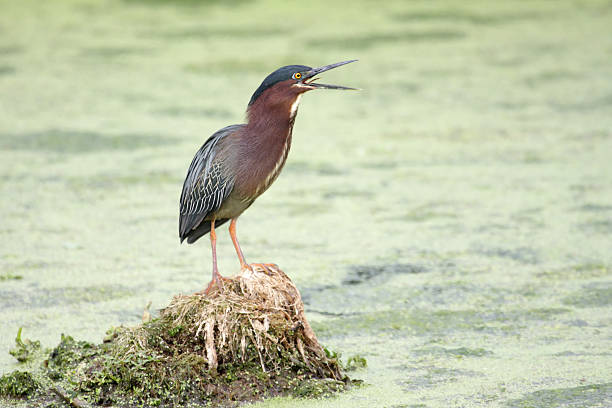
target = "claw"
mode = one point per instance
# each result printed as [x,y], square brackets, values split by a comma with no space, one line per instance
[272,265]
[267,267]
[217,280]
[211,285]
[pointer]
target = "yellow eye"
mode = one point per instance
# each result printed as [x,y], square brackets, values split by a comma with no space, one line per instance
[297,75]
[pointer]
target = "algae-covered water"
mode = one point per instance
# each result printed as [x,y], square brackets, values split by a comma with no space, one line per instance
[451,223]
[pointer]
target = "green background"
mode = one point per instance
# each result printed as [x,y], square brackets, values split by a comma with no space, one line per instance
[451,222]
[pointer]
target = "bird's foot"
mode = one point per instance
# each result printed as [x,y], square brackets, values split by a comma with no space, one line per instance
[216,282]
[264,267]
[211,285]
[206,291]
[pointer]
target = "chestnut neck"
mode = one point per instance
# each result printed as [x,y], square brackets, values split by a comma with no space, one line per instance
[268,137]
[272,114]
[270,119]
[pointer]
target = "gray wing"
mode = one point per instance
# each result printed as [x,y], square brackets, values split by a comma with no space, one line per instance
[206,184]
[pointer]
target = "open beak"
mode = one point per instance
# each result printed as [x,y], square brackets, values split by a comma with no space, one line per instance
[309,77]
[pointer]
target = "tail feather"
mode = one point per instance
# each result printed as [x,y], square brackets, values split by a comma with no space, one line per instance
[201,230]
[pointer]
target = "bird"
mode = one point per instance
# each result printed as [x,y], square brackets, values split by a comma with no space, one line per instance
[238,163]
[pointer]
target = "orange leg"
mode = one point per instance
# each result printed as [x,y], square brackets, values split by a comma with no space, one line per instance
[232,231]
[216,277]
[243,264]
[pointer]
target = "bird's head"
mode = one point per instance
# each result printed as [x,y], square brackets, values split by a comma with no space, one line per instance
[287,83]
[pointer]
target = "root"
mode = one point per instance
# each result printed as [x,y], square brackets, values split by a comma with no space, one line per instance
[258,313]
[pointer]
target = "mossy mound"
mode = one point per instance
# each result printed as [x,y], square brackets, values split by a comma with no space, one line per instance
[242,342]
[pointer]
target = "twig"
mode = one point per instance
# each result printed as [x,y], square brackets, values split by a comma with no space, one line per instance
[73,402]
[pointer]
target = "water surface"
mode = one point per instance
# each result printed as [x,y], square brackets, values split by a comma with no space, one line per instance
[451,223]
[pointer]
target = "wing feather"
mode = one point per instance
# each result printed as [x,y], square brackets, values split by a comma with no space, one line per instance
[206,185]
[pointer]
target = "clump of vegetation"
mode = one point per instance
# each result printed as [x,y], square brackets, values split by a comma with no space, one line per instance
[24,350]
[17,384]
[355,362]
[242,342]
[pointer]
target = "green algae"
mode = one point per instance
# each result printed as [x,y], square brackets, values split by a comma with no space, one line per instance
[199,32]
[68,295]
[423,322]
[364,41]
[590,297]
[360,274]
[110,180]
[582,271]
[591,395]
[10,50]
[7,70]
[182,111]
[10,276]
[465,16]
[17,384]
[71,142]
[456,352]
[427,377]
[105,53]
[228,66]
[507,124]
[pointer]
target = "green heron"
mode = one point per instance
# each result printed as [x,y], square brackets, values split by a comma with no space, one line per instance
[239,162]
